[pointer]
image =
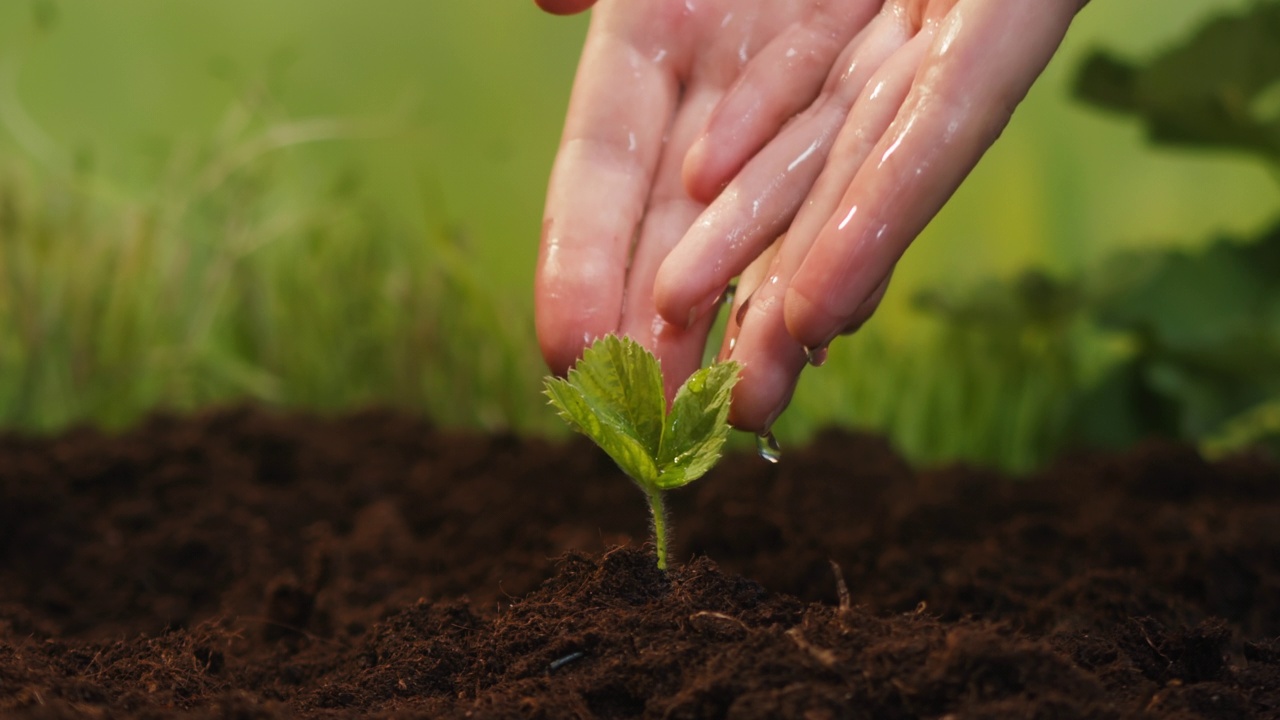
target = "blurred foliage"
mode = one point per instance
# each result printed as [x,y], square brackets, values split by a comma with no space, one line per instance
[1194,336]
[1205,332]
[245,251]
[195,296]
[1016,351]
[1220,89]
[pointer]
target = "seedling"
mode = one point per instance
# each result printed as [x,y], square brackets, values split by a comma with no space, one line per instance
[614,396]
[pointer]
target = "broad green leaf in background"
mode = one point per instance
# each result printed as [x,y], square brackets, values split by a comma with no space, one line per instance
[1196,333]
[1259,427]
[1206,327]
[1219,89]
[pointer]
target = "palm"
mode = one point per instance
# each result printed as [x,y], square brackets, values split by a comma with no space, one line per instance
[701,131]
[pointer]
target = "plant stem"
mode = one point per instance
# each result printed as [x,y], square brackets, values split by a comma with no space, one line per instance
[659,511]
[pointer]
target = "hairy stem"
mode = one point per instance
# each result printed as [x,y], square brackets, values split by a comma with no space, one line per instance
[658,509]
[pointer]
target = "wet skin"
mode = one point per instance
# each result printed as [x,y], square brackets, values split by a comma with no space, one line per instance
[798,145]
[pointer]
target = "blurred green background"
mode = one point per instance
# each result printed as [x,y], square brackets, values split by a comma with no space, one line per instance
[326,204]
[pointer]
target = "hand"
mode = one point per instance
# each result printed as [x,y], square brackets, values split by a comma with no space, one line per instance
[700,131]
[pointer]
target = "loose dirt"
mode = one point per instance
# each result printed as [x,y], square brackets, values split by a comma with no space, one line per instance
[243,564]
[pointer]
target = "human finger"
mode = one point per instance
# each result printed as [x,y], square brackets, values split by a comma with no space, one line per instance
[817,356]
[669,212]
[980,62]
[621,103]
[764,197]
[679,349]
[771,359]
[740,296]
[778,82]
[776,358]
[872,113]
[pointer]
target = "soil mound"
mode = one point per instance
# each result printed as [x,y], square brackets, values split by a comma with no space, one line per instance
[246,564]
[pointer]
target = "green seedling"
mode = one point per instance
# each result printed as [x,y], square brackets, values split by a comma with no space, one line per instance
[614,396]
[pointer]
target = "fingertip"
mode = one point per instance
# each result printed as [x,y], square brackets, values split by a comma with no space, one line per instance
[808,322]
[675,298]
[668,297]
[770,372]
[759,400]
[703,181]
[564,332]
[564,7]
[559,352]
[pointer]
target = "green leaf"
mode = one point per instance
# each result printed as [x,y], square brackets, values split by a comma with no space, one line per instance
[577,410]
[697,427]
[1218,89]
[614,396]
[1258,426]
[1204,327]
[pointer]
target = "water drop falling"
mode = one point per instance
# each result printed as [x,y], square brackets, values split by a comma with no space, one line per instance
[817,357]
[767,446]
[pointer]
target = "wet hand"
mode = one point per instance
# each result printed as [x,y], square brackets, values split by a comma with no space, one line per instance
[701,131]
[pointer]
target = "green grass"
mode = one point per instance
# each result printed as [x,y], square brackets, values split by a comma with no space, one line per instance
[195,299]
[328,205]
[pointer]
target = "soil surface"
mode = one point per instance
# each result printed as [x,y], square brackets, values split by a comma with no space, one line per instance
[243,564]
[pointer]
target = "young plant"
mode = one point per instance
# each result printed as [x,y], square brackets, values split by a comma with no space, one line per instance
[614,396]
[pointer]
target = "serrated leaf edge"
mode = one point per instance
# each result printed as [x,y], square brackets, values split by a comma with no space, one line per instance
[647,468]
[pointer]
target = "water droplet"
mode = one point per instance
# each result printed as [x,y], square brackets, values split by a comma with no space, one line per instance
[817,357]
[697,382]
[729,291]
[767,446]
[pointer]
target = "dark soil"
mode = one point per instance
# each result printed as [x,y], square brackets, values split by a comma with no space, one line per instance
[241,564]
